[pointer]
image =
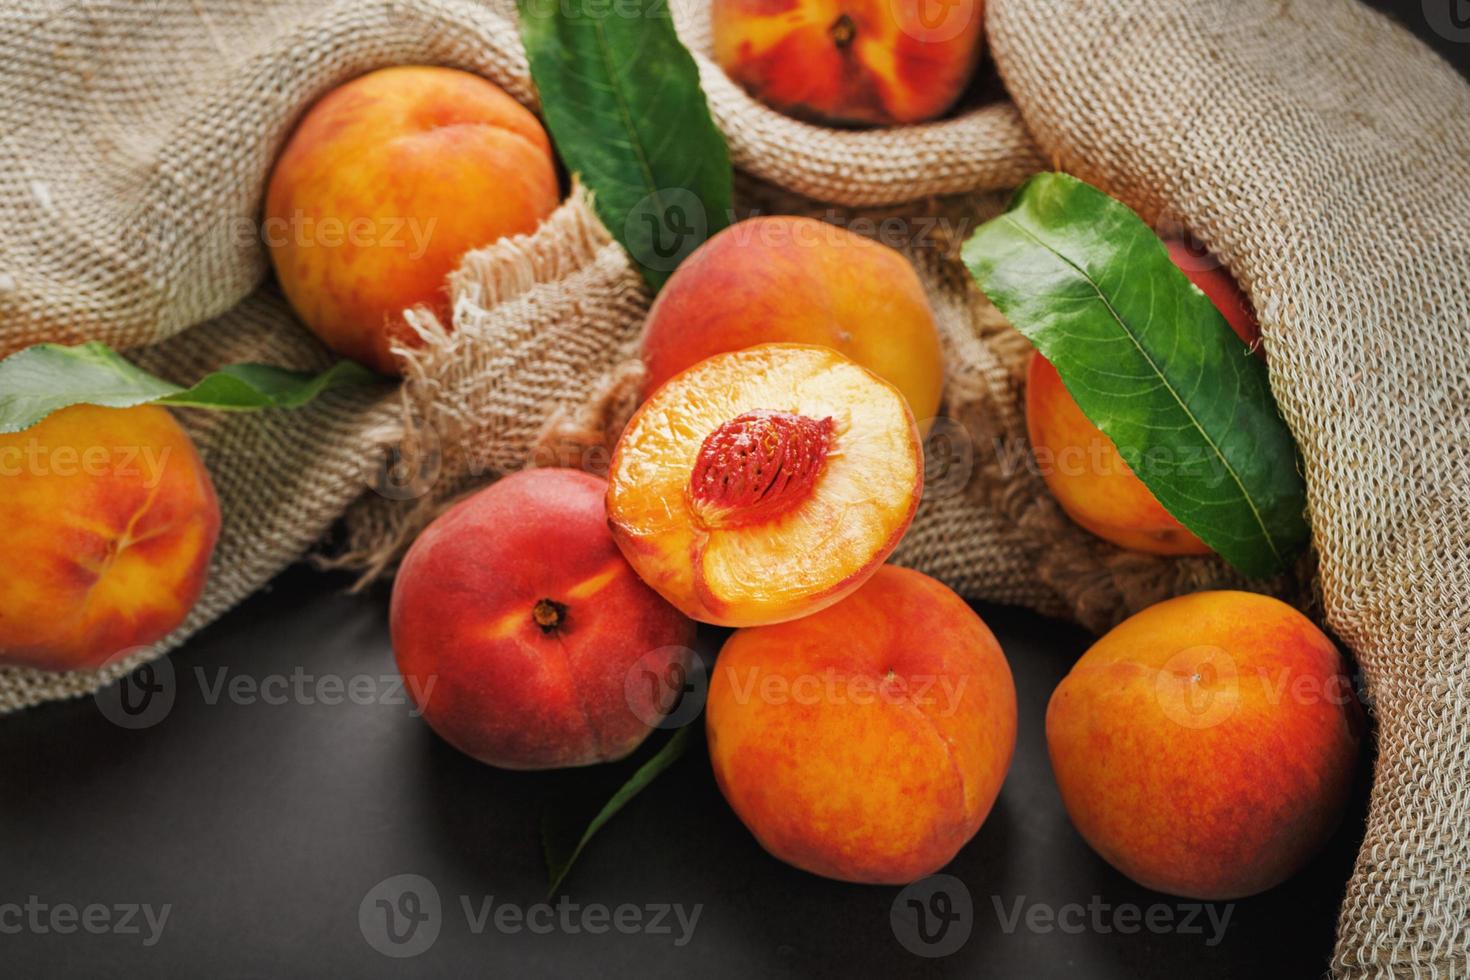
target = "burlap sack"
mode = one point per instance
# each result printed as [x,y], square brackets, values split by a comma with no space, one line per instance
[136,141]
[1311,145]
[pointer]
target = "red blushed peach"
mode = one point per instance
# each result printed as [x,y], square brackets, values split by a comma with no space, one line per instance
[110,522]
[867,742]
[764,484]
[801,281]
[382,188]
[517,624]
[1206,746]
[851,61]
[1084,470]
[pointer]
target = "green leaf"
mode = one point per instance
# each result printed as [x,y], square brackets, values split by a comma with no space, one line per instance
[42,379]
[559,858]
[1151,362]
[622,100]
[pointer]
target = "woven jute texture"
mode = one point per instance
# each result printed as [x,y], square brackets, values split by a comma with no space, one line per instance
[1310,145]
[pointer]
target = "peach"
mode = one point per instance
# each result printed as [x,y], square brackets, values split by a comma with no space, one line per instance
[851,61]
[1082,467]
[382,188]
[110,522]
[785,279]
[764,484]
[522,634]
[867,742]
[1206,747]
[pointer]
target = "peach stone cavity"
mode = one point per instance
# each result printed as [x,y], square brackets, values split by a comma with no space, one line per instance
[764,484]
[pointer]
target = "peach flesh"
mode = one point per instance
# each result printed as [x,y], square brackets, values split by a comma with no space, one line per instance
[764,484]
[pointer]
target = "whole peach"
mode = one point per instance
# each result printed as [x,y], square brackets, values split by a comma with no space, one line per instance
[785,279]
[1082,467]
[382,188]
[111,520]
[851,61]
[869,741]
[522,633]
[1206,746]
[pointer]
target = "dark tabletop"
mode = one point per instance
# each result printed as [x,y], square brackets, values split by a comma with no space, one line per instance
[276,788]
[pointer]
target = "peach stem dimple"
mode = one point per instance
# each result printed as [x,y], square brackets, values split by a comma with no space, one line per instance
[757,467]
[548,614]
[843,30]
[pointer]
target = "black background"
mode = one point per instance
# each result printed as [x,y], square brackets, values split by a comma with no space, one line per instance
[263,827]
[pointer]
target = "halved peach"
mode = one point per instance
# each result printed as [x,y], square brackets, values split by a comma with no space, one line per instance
[765,484]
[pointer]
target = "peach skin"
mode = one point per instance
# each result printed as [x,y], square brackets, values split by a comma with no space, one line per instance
[1206,747]
[111,520]
[868,742]
[851,61]
[785,279]
[1084,470]
[517,624]
[764,484]
[382,188]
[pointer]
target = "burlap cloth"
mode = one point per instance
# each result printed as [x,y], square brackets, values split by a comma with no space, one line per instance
[1315,147]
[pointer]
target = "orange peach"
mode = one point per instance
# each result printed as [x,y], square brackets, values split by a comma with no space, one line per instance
[851,61]
[384,185]
[764,484]
[1082,467]
[802,281]
[867,742]
[110,522]
[517,626]
[1206,747]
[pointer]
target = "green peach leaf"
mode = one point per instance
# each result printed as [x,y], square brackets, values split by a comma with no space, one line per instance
[622,100]
[45,378]
[1151,362]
